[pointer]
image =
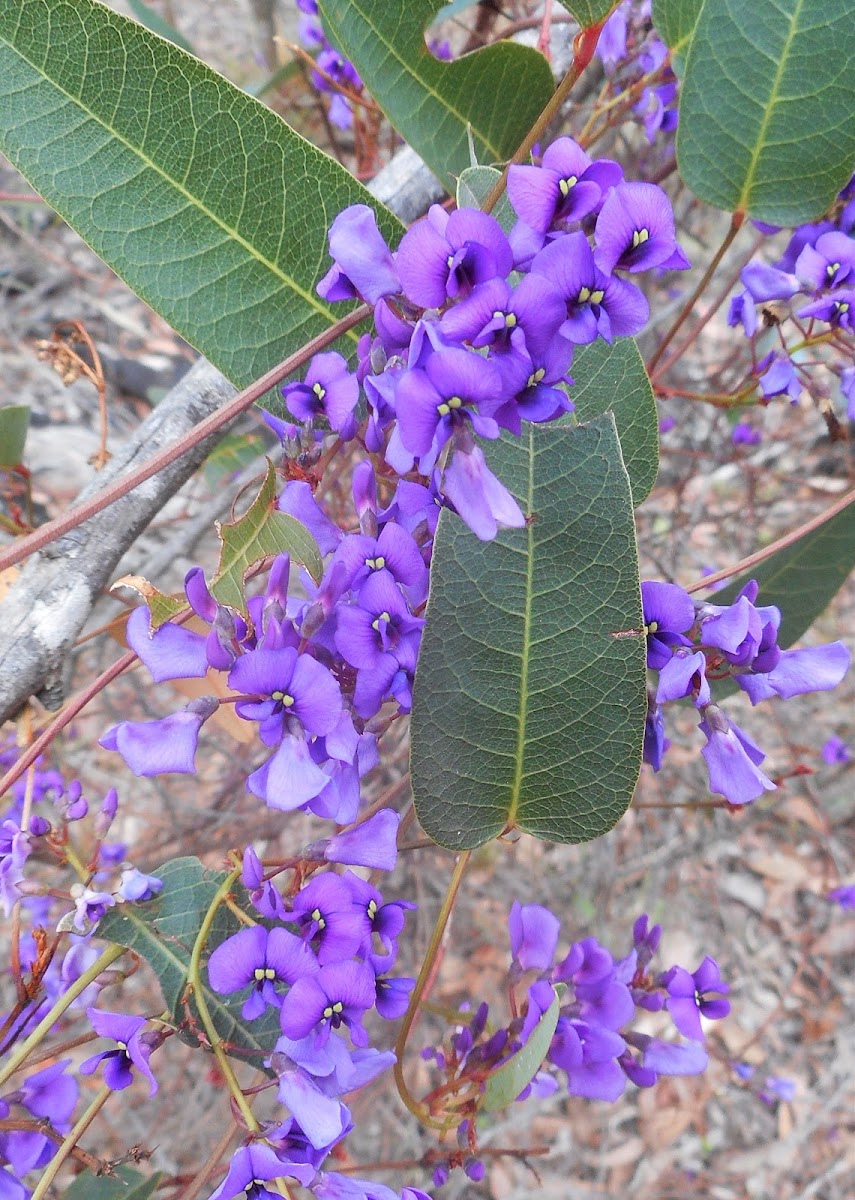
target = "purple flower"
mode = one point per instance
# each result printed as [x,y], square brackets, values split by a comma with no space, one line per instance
[328,916]
[812,669]
[339,994]
[534,933]
[567,186]
[497,315]
[160,747]
[14,851]
[828,263]
[779,378]
[329,390]
[322,1119]
[844,896]
[379,633]
[371,844]
[732,759]
[688,997]
[290,686]
[170,652]
[358,557]
[131,1050]
[684,674]
[655,741]
[444,256]
[768,283]
[89,908]
[835,750]
[672,1058]
[363,262]
[838,308]
[669,613]
[744,434]
[253,1166]
[588,1053]
[742,311]
[597,304]
[481,499]
[847,387]
[455,385]
[635,231]
[137,886]
[263,958]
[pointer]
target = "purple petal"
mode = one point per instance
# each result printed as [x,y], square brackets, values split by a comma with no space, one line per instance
[289,956]
[323,1120]
[289,779]
[158,747]
[360,251]
[317,696]
[233,963]
[303,1007]
[171,652]
[372,844]
[263,672]
[534,935]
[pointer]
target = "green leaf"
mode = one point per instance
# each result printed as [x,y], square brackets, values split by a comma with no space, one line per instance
[200,197]
[473,188]
[675,22]
[260,532]
[152,20]
[163,931]
[766,107]
[505,1084]
[499,91]
[613,377]
[590,12]
[126,1184]
[162,608]
[530,696]
[14,422]
[803,578]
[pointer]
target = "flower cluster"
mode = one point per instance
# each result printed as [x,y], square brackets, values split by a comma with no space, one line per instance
[594,1050]
[474,333]
[632,54]
[818,264]
[324,964]
[335,76]
[689,646]
[48,1095]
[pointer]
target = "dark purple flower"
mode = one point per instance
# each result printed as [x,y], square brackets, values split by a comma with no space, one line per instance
[635,231]
[454,386]
[340,994]
[392,996]
[744,434]
[253,1166]
[684,674]
[363,262]
[596,304]
[529,379]
[838,308]
[444,256]
[567,186]
[495,314]
[379,626]
[358,557]
[655,741]
[732,759]
[742,311]
[132,1050]
[688,997]
[669,613]
[534,933]
[160,747]
[329,390]
[478,496]
[329,918]
[290,686]
[588,1053]
[263,958]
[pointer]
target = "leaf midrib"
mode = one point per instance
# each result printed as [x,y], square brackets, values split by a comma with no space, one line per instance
[525,654]
[192,200]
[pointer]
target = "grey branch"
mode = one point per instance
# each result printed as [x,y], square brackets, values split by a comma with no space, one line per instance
[51,600]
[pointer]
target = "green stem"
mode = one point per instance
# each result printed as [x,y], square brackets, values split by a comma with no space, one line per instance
[194,981]
[69,1143]
[584,45]
[65,1001]
[736,222]
[415,1106]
